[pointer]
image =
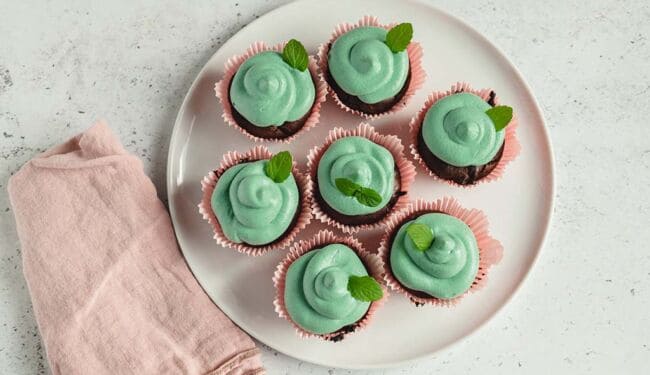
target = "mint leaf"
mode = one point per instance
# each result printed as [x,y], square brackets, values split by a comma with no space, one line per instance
[346,186]
[295,55]
[279,167]
[500,116]
[399,37]
[364,288]
[421,235]
[365,196]
[368,197]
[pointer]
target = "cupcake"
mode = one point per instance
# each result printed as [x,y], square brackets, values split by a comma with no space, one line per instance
[436,252]
[360,178]
[328,287]
[370,68]
[464,136]
[271,93]
[256,201]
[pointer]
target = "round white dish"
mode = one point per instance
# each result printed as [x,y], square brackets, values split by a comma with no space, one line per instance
[519,205]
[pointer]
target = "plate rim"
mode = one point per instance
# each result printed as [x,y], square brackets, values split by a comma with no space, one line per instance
[537,111]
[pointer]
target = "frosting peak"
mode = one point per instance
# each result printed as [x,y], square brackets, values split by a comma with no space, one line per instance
[458,131]
[316,289]
[364,66]
[251,207]
[269,92]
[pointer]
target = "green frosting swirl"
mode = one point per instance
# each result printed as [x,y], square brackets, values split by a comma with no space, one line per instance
[448,268]
[316,291]
[457,131]
[250,207]
[363,65]
[269,92]
[362,161]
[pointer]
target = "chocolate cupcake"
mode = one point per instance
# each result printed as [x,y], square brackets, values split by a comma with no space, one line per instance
[328,287]
[256,202]
[436,252]
[464,136]
[372,69]
[271,93]
[360,178]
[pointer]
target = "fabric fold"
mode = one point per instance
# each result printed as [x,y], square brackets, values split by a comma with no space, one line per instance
[111,292]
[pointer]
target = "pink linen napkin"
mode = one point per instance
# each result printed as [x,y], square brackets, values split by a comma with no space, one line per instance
[111,292]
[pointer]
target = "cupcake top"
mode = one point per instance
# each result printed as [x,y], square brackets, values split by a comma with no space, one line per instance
[268,90]
[356,176]
[436,254]
[365,63]
[460,130]
[324,289]
[253,205]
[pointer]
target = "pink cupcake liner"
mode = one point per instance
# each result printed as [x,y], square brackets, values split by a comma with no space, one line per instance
[325,237]
[510,150]
[222,89]
[414,51]
[490,249]
[391,143]
[233,158]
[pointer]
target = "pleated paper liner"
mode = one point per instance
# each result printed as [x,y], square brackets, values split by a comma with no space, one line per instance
[222,89]
[321,239]
[233,158]
[490,249]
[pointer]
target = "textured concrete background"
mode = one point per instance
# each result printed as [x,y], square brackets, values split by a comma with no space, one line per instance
[585,307]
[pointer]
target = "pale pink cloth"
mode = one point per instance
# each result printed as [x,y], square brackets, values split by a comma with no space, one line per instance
[111,292]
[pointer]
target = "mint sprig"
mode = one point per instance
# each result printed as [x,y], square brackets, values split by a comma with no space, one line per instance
[295,55]
[399,37]
[421,235]
[368,197]
[500,116]
[346,186]
[364,288]
[278,168]
[365,196]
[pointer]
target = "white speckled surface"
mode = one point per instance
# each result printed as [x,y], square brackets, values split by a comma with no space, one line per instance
[585,307]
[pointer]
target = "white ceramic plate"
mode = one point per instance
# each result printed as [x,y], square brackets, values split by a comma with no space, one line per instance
[519,205]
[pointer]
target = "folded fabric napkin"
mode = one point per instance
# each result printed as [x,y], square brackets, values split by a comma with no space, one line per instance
[111,292]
